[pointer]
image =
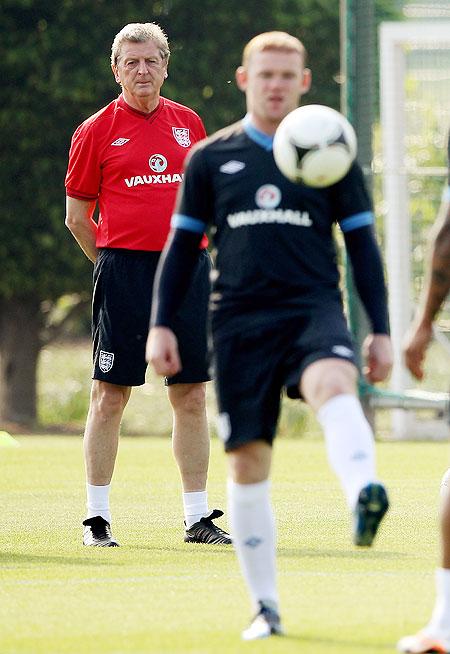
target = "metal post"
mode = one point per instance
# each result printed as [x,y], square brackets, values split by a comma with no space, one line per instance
[357,35]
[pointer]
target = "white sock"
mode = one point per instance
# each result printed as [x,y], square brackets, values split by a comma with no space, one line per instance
[98,501]
[349,442]
[195,506]
[253,527]
[439,624]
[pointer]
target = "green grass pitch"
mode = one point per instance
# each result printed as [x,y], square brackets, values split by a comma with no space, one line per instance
[156,594]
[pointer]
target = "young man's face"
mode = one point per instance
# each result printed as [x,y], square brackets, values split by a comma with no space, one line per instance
[273,81]
[140,69]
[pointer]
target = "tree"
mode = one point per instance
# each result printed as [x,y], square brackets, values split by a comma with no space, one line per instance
[53,76]
[55,73]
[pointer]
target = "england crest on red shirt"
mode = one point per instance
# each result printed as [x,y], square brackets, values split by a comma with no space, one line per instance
[181,135]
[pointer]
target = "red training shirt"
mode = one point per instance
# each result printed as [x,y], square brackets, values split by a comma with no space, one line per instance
[132,163]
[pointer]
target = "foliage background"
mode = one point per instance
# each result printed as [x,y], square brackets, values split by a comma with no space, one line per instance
[55,73]
[55,69]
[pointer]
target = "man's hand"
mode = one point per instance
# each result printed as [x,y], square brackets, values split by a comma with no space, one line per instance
[377,351]
[415,346]
[79,219]
[162,351]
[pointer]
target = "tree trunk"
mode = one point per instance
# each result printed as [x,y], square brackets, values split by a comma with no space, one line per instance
[20,327]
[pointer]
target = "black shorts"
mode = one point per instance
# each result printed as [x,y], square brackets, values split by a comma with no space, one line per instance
[251,369]
[121,306]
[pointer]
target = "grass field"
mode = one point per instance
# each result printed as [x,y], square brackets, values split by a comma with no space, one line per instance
[156,594]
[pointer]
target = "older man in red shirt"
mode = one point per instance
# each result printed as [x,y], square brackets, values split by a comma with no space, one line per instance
[128,158]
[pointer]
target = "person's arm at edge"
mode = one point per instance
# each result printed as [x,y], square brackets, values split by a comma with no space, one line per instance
[80,222]
[435,290]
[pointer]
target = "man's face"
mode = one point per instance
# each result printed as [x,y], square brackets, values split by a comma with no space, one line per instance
[273,81]
[140,69]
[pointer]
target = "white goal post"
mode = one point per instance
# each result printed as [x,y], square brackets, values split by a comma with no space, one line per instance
[397,41]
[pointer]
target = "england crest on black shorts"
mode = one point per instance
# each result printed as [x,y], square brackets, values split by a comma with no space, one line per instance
[105,361]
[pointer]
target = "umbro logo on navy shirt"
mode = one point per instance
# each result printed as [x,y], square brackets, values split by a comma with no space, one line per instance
[120,142]
[232,167]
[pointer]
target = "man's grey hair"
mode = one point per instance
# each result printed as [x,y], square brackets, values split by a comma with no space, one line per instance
[140,33]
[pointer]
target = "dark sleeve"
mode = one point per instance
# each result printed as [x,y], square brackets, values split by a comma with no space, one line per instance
[350,198]
[195,197]
[174,274]
[365,258]
[193,210]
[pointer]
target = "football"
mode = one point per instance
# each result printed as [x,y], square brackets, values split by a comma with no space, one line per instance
[314,145]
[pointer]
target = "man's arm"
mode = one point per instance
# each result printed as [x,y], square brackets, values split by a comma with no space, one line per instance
[162,351]
[435,290]
[81,224]
[174,274]
[378,356]
[177,263]
[368,274]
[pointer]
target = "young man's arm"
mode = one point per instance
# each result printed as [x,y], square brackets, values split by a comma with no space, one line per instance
[176,266]
[81,224]
[368,274]
[435,290]
[174,274]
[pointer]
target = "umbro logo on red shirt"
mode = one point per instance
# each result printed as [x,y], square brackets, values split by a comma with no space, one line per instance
[120,142]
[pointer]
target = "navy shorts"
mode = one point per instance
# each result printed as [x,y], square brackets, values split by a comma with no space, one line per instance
[121,307]
[251,369]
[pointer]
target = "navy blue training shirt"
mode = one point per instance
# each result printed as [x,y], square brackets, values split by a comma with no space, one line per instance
[274,239]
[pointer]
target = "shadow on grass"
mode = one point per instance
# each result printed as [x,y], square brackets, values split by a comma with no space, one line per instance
[357,646]
[341,554]
[202,549]
[197,548]
[12,558]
